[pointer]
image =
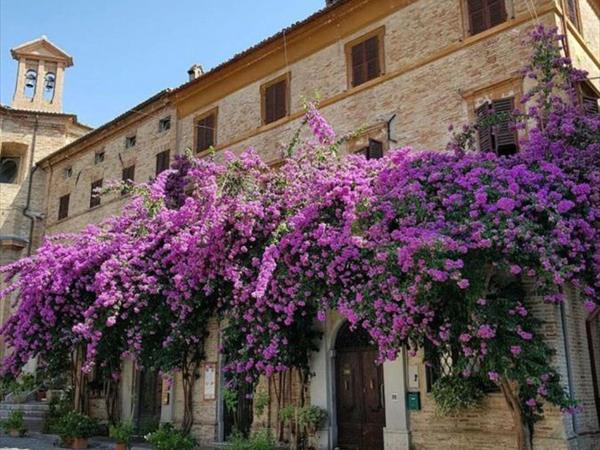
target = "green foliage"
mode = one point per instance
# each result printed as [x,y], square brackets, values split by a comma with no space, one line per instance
[169,438]
[309,418]
[261,440]
[230,399]
[14,422]
[122,432]
[148,425]
[261,401]
[454,394]
[57,409]
[77,425]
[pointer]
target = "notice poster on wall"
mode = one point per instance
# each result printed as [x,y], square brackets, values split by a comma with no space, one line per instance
[210,374]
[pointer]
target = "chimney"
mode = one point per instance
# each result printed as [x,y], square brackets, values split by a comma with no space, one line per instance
[195,71]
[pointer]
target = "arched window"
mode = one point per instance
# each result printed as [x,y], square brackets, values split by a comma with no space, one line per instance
[9,169]
[49,85]
[30,83]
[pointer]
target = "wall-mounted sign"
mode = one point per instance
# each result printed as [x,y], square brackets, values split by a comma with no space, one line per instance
[166,392]
[210,376]
[413,378]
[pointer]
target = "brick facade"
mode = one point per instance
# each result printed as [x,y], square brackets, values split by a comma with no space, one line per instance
[435,73]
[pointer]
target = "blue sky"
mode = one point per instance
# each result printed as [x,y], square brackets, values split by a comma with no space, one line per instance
[127,50]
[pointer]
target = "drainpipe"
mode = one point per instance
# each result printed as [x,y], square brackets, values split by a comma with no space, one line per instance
[32,170]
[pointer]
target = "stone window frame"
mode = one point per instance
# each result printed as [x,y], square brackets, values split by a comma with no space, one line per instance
[508,87]
[212,111]
[376,132]
[164,124]
[465,21]
[287,77]
[20,151]
[130,141]
[380,33]
[99,157]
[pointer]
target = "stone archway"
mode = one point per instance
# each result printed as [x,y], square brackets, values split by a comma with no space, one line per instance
[360,404]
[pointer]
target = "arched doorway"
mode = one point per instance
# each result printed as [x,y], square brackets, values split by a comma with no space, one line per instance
[360,406]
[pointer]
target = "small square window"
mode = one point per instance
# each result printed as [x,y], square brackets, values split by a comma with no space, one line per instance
[130,141]
[68,172]
[63,207]
[164,124]
[205,132]
[99,157]
[373,151]
[128,177]
[365,58]
[485,14]
[95,196]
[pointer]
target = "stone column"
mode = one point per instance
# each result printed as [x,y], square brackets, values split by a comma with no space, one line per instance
[20,82]
[396,434]
[320,385]
[58,87]
[38,96]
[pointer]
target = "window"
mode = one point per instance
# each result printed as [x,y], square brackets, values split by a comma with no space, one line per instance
[206,132]
[128,177]
[63,206]
[571,10]
[589,99]
[162,161]
[496,135]
[130,141]
[30,83]
[275,99]
[67,172]
[365,58]
[164,124]
[99,157]
[9,169]
[49,84]
[484,14]
[94,196]
[373,151]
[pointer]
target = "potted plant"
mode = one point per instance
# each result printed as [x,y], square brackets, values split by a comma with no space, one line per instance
[14,425]
[76,428]
[122,433]
[169,438]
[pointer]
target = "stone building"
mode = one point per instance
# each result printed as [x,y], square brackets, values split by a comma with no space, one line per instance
[402,70]
[33,127]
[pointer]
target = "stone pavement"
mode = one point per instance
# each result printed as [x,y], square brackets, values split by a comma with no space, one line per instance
[49,442]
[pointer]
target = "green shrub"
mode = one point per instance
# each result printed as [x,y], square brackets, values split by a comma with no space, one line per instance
[14,422]
[454,394]
[121,432]
[261,440]
[76,425]
[169,438]
[57,408]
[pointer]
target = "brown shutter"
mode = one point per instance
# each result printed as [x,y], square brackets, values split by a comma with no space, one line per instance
[358,67]
[162,161]
[484,131]
[477,16]
[94,197]
[275,101]
[590,105]
[63,207]
[128,177]
[205,132]
[375,150]
[496,12]
[372,58]
[505,136]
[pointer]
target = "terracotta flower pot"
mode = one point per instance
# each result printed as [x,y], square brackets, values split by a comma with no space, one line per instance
[120,446]
[79,443]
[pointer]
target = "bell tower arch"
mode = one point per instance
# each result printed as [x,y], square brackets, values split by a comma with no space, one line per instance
[40,75]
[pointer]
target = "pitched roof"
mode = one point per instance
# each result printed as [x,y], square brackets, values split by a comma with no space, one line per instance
[41,46]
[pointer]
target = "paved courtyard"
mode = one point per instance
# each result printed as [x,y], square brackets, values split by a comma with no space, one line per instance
[46,442]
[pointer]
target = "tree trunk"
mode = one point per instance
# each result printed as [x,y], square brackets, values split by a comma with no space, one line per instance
[78,380]
[188,375]
[522,430]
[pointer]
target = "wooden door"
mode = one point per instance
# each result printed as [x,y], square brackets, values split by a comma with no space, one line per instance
[149,401]
[359,397]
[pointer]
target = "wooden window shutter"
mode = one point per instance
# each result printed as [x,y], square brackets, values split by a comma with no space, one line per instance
[484,130]
[505,136]
[375,150]
[358,70]
[63,206]
[496,12]
[205,132]
[95,199]
[162,161]
[275,99]
[590,105]
[477,16]
[128,177]
[372,58]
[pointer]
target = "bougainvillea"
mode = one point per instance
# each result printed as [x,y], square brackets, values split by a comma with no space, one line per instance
[421,249]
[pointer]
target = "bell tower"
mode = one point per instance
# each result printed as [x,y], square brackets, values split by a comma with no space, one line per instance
[40,75]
